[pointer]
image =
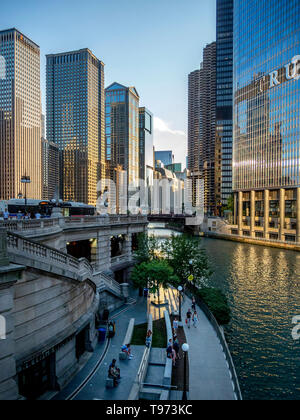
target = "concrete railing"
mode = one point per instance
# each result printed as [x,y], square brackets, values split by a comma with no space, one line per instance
[120,259]
[70,222]
[142,372]
[36,255]
[169,362]
[108,283]
[128,338]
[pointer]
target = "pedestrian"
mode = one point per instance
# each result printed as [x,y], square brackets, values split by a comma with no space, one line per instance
[174,355]
[170,349]
[111,329]
[176,347]
[188,318]
[127,349]
[1,216]
[195,319]
[148,338]
[38,215]
[19,215]
[175,326]
[193,303]
[114,372]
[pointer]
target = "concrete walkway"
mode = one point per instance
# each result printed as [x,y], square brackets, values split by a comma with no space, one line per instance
[95,388]
[210,377]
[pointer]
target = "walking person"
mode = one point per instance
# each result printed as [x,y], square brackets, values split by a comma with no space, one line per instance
[175,326]
[195,319]
[193,303]
[176,347]
[149,338]
[188,318]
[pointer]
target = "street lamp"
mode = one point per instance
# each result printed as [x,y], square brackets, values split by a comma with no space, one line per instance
[185,348]
[25,180]
[180,288]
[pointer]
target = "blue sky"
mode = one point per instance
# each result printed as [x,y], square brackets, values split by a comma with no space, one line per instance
[149,44]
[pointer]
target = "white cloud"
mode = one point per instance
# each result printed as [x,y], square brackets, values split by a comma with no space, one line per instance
[160,125]
[165,138]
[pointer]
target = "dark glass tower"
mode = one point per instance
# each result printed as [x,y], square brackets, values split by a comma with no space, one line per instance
[224,97]
[76,122]
[266,152]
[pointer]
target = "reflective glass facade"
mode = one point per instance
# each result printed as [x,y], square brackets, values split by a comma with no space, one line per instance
[224,97]
[75,122]
[266,94]
[20,115]
[122,129]
[146,144]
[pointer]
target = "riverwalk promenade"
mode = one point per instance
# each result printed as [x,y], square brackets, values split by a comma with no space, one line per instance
[209,377]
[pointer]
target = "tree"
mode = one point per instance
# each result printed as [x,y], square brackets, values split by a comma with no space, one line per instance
[148,248]
[185,255]
[153,275]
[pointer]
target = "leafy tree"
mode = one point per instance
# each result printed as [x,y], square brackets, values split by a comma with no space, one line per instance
[153,275]
[148,248]
[185,255]
[230,204]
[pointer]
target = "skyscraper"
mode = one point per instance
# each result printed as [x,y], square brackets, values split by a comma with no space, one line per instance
[165,156]
[146,159]
[266,152]
[20,115]
[50,169]
[224,97]
[202,128]
[76,122]
[122,130]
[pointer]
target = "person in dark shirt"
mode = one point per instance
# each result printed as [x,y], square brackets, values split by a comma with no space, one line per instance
[188,318]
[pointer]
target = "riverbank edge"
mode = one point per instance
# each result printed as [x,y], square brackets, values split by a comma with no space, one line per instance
[252,241]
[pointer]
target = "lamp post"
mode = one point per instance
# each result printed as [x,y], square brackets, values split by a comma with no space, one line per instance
[185,348]
[180,290]
[25,180]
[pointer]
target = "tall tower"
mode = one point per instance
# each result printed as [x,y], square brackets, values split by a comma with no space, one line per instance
[224,98]
[266,169]
[76,122]
[20,115]
[122,130]
[202,128]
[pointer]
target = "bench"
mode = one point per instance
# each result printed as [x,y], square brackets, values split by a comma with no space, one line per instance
[127,339]
[109,383]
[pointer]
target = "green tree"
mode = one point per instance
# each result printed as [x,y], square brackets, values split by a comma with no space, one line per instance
[148,248]
[153,275]
[185,255]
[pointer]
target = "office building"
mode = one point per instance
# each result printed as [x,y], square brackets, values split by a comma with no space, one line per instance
[146,160]
[224,100]
[50,170]
[20,115]
[76,122]
[165,156]
[122,131]
[266,165]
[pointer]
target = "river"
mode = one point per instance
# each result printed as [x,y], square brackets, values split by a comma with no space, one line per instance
[263,288]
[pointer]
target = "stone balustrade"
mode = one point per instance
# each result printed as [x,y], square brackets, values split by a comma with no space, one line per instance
[41,256]
[70,222]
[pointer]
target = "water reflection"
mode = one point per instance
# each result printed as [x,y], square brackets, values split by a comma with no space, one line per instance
[262,285]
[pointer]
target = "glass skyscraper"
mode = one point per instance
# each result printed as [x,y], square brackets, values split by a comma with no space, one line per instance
[224,98]
[20,115]
[266,156]
[146,152]
[122,131]
[75,122]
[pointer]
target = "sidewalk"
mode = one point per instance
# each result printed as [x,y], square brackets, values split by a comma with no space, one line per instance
[95,388]
[210,377]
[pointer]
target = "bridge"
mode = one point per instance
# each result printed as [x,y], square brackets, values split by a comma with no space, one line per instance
[52,296]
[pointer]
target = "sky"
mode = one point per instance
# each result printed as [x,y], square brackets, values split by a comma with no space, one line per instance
[150,44]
